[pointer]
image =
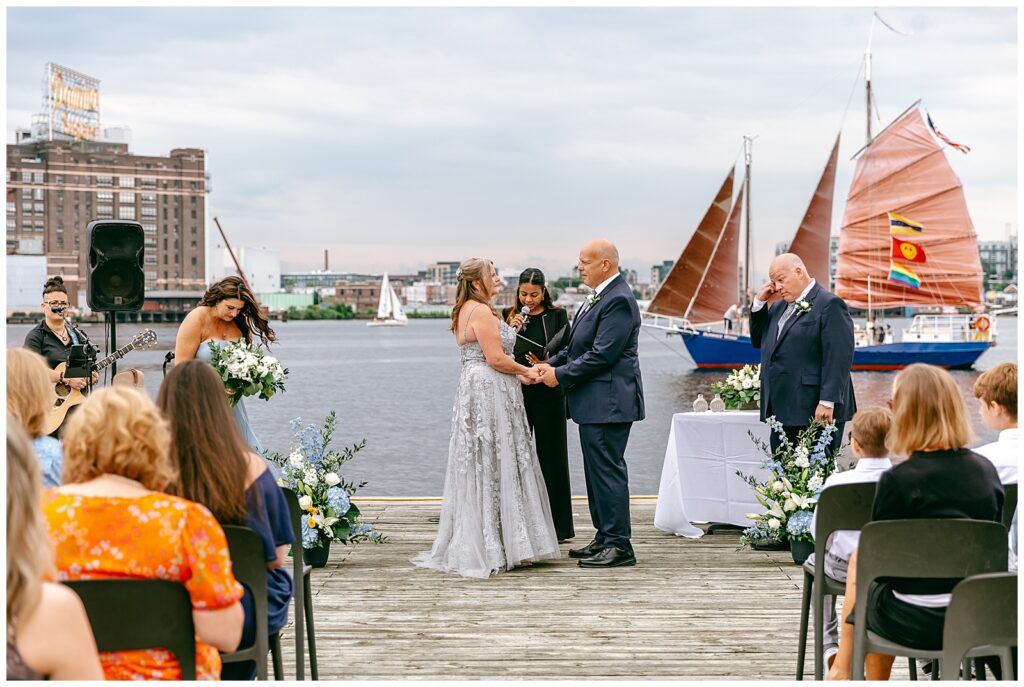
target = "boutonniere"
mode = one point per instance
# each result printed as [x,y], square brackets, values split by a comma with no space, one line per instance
[803,306]
[593,298]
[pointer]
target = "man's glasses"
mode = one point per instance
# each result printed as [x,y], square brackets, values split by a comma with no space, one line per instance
[58,304]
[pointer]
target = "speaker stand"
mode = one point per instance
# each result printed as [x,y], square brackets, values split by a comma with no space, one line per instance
[112,322]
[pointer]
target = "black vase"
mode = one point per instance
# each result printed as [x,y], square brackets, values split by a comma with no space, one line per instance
[318,555]
[801,550]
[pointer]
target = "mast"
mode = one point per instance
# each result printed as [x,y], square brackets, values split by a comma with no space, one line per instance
[867,76]
[748,144]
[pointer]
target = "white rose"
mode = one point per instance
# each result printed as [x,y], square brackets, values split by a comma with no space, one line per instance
[309,477]
[305,502]
[802,462]
[296,459]
[270,360]
[814,483]
[774,524]
[746,384]
[777,486]
[789,506]
[332,479]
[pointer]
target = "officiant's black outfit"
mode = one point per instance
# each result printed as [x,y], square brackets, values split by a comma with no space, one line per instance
[545,411]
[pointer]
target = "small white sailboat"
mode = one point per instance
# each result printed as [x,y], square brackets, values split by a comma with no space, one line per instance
[389,310]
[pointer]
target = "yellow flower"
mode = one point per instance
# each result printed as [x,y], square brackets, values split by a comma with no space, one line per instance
[311,522]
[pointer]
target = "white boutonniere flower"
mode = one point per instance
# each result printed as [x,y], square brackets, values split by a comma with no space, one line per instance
[593,298]
[803,306]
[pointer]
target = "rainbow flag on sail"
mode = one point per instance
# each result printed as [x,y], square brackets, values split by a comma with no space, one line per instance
[903,275]
[899,224]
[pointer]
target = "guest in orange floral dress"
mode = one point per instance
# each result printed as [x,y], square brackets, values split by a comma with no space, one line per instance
[110,520]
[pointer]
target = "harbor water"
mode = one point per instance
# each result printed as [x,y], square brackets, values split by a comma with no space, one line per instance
[395,387]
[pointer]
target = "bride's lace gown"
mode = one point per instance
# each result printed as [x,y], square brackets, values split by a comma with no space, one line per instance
[495,515]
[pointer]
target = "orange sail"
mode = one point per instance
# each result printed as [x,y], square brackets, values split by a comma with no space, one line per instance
[686,290]
[905,172]
[812,239]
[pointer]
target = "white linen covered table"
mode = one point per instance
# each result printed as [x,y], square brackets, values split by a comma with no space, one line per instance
[699,481]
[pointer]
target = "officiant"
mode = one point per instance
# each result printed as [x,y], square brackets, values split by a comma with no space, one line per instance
[541,334]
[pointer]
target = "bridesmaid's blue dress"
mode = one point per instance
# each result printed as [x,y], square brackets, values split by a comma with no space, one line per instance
[205,353]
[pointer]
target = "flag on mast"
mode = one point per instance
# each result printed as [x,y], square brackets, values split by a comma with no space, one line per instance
[943,137]
[905,250]
[898,224]
[903,275]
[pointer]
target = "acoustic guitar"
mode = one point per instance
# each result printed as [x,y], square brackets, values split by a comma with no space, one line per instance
[66,398]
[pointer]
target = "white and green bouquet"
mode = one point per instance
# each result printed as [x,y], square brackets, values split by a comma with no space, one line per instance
[796,475]
[741,388]
[247,370]
[313,471]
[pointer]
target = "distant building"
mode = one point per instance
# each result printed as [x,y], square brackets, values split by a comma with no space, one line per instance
[629,276]
[443,272]
[262,267]
[659,272]
[299,281]
[358,296]
[54,188]
[26,275]
[999,262]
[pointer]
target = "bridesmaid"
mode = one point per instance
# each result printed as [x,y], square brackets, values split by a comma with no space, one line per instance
[545,332]
[227,312]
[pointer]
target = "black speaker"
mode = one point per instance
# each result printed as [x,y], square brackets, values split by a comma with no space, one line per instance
[116,279]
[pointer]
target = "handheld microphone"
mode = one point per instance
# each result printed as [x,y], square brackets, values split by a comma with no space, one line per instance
[525,314]
[56,309]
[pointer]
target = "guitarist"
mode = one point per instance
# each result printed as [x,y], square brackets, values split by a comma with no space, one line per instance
[52,338]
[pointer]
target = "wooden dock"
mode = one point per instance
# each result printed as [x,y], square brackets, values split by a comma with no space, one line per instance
[690,609]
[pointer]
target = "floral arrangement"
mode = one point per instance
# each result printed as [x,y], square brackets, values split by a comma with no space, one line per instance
[247,370]
[797,474]
[312,470]
[741,387]
[802,306]
[593,298]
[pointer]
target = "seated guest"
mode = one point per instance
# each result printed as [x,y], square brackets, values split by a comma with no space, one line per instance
[868,432]
[940,478]
[996,391]
[218,470]
[29,399]
[111,519]
[48,633]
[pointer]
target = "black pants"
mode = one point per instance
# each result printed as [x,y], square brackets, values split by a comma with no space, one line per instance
[545,411]
[604,465]
[792,432]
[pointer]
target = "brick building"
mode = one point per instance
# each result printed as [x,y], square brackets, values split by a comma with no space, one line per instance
[54,188]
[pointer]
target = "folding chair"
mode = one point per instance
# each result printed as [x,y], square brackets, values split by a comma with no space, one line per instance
[130,615]
[249,565]
[981,621]
[303,595]
[925,549]
[842,507]
[1009,504]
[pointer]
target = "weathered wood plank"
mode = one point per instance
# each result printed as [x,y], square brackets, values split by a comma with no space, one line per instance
[691,609]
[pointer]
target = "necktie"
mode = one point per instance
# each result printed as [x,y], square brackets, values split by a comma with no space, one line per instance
[790,309]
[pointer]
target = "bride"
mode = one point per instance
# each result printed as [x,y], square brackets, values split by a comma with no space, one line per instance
[495,514]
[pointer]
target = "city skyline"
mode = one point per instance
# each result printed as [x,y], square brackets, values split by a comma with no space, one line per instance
[398,137]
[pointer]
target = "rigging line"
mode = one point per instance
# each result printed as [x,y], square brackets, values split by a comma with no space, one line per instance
[671,348]
[853,90]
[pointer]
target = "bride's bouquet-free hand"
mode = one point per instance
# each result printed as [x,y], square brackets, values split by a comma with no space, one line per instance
[247,370]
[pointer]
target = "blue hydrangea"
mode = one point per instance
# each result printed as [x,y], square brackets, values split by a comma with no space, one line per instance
[799,523]
[310,535]
[337,499]
[360,529]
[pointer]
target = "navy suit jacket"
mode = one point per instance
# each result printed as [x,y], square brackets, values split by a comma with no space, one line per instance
[599,369]
[810,361]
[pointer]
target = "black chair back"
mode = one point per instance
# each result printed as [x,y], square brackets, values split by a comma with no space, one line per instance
[299,581]
[982,614]
[249,565]
[925,549]
[842,507]
[131,615]
[1009,504]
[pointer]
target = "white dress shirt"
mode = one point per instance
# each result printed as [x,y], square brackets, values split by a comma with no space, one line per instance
[603,285]
[1003,454]
[843,542]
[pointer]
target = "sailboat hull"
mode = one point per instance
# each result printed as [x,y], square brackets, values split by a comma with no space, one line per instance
[715,350]
[386,323]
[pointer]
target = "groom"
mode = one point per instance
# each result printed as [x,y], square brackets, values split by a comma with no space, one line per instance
[600,373]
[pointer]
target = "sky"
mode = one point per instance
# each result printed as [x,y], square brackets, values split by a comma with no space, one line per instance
[396,137]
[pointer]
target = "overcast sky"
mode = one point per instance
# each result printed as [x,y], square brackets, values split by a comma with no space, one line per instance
[397,137]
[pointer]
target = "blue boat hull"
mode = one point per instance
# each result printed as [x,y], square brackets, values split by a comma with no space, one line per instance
[714,350]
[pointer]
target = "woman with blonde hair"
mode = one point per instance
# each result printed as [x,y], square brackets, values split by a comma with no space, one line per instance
[940,478]
[495,513]
[110,519]
[29,399]
[48,633]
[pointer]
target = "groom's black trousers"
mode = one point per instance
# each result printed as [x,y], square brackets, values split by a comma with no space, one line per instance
[604,466]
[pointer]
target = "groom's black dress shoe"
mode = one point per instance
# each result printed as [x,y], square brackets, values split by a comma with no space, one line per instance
[611,557]
[587,551]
